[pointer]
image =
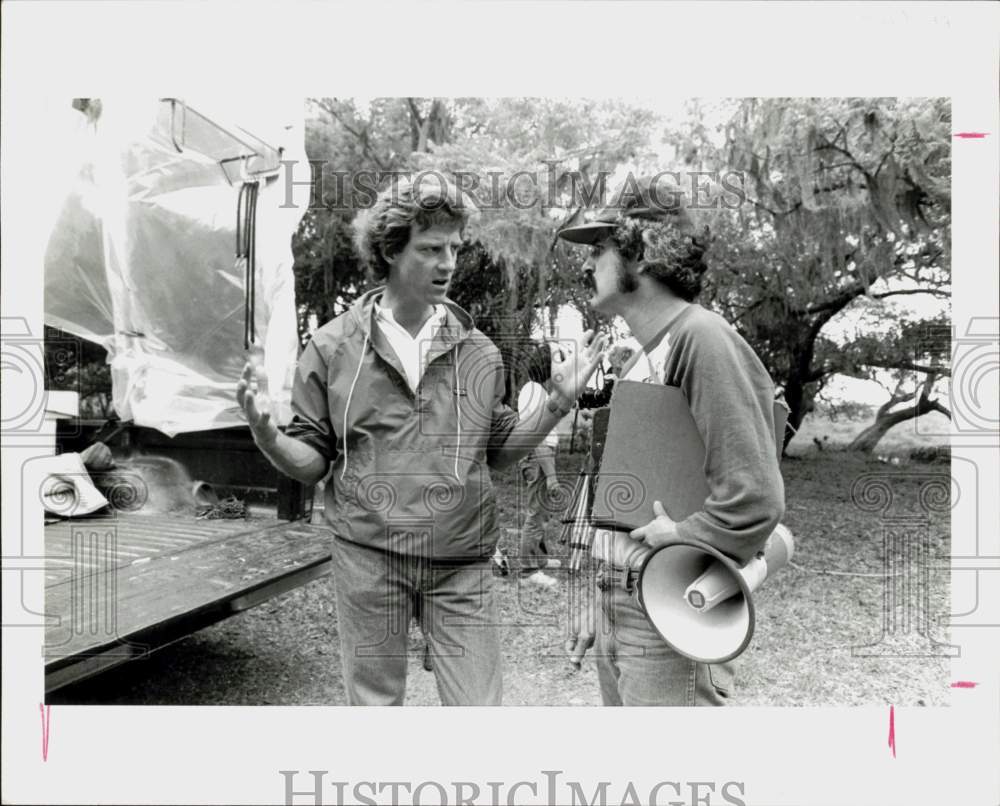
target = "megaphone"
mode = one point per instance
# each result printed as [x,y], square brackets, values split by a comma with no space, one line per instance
[699,600]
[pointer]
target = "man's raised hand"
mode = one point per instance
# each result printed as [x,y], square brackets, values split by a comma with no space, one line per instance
[256,407]
[573,365]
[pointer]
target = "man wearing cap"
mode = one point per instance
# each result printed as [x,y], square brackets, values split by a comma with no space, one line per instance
[400,400]
[646,264]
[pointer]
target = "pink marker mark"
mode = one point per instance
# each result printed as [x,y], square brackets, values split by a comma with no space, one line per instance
[971,135]
[892,729]
[964,684]
[46,712]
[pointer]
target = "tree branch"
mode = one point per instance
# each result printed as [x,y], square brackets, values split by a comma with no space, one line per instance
[925,403]
[755,304]
[332,111]
[822,372]
[834,147]
[415,111]
[360,134]
[933,405]
[927,385]
[908,366]
[838,303]
[882,161]
[567,220]
[935,292]
[897,396]
[837,165]
[776,213]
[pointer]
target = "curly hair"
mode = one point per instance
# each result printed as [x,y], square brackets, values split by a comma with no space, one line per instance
[664,251]
[383,230]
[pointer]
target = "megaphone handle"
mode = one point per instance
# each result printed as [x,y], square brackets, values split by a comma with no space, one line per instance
[755,572]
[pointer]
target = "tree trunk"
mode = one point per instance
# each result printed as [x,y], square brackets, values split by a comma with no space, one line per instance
[885,419]
[434,127]
[795,399]
[872,435]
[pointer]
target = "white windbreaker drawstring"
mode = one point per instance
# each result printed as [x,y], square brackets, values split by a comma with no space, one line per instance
[347,407]
[458,412]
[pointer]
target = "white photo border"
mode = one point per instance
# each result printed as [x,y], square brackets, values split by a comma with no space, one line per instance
[55,51]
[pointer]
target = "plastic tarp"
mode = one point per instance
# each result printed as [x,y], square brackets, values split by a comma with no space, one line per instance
[142,256]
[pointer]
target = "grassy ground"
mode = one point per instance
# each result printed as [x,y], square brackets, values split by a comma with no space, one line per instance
[931,430]
[809,618]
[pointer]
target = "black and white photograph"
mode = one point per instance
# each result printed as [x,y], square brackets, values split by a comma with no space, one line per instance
[271,400]
[553,400]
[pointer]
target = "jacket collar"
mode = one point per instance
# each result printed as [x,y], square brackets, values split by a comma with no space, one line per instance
[458,325]
[363,311]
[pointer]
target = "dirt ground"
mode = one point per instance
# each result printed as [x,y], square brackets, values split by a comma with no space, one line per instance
[814,621]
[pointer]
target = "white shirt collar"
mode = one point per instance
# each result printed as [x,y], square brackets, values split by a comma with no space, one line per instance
[410,350]
[437,317]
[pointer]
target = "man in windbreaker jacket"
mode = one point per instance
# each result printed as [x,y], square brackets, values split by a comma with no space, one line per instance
[400,399]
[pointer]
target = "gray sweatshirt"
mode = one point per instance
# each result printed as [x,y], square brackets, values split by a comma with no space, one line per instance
[732,400]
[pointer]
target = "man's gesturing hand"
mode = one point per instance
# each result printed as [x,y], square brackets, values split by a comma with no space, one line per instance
[256,407]
[573,366]
[658,531]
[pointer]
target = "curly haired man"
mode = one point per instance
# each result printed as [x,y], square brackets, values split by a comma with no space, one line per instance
[400,399]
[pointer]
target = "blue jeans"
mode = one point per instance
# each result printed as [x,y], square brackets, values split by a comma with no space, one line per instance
[635,666]
[378,593]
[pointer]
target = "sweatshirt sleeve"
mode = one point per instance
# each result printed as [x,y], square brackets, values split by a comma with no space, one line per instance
[503,418]
[732,401]
[310,407]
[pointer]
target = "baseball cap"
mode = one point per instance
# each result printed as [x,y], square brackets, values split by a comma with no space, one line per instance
[652,198]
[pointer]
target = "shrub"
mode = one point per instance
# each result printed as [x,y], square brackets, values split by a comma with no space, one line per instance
[931,453]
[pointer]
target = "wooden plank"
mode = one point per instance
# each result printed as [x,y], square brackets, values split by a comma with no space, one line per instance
[120,611]
[82,545]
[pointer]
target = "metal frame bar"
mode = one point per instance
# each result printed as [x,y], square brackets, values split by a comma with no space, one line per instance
[254,151]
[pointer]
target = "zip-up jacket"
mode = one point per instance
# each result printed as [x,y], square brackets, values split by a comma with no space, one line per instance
[410,470]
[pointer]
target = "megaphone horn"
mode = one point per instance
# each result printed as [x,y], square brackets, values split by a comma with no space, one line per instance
[700,601]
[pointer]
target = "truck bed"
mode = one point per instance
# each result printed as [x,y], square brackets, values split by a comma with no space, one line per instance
[119,587]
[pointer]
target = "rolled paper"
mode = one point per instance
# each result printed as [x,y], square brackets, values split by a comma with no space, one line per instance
[715,585]
[718,582]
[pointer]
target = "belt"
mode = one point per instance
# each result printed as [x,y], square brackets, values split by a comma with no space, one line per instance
[611,576]
[614,569]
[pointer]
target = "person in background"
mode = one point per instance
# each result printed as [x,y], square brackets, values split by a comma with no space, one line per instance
[538,472]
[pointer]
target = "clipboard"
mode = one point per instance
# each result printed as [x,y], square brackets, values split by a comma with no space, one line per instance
[653,452]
